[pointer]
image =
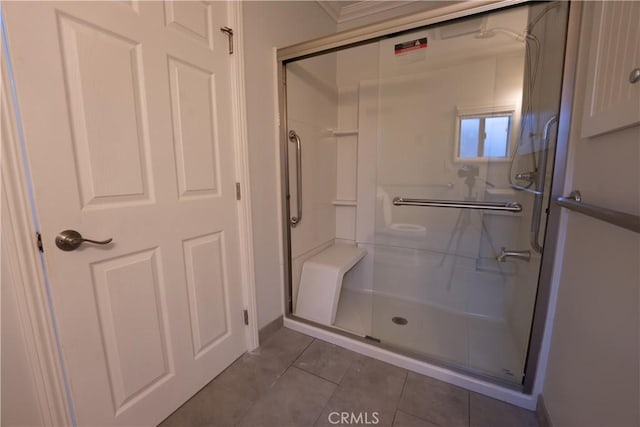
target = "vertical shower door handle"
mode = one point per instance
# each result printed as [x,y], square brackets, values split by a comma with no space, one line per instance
[294,138]
[541,173]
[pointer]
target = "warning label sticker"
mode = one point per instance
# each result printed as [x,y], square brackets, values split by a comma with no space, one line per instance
[410,46]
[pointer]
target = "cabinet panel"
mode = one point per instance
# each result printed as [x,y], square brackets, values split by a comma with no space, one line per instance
[612,101]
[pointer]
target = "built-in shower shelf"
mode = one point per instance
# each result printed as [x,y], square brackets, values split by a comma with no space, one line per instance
[344,132]
[344,203]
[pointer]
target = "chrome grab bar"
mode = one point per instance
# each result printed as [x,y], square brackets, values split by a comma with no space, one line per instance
[621,219]
[293,137]
[538,197]
[461,204]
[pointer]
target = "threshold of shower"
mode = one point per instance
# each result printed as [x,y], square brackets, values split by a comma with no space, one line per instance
[487,388]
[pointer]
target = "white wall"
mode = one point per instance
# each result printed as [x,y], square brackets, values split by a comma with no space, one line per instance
[269,24]
[593,372]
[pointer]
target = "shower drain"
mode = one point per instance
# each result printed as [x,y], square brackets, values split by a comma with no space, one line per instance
[399,320]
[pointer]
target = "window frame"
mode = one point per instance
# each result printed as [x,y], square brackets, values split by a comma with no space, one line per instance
[481,113]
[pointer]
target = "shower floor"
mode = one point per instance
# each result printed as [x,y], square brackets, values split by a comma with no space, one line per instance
[485,345]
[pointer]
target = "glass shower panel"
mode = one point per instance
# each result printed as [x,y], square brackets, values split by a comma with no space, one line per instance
[425,162]
[457,121]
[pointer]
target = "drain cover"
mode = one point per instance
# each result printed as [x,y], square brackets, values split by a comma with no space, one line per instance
[399,320]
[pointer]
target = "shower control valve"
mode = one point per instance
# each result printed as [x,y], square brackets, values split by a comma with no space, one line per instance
[526,176]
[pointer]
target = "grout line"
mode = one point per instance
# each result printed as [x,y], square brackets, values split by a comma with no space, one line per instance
[395,415]
[315,375]
[469,408]
[404,384]
[323,378]
[353,359]
[326,404]
[277,379]
[302,352]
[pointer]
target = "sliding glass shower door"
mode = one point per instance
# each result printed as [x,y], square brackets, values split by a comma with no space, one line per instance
[466,132]
[417,170]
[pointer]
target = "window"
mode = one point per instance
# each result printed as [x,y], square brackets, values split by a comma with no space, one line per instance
[483,134]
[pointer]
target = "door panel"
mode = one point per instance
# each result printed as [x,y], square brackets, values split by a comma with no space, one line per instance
[124,311]
[207,287]
[127,137]
[193,114]
[103,76]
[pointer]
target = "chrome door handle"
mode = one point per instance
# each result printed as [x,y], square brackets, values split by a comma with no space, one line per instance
[69,240]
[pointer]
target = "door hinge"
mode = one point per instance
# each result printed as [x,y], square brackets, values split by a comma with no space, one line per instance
[229,32]
[39,242]
[245,315]
[238,192]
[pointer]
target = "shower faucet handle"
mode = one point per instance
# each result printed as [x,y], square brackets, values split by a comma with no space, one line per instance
[504,254]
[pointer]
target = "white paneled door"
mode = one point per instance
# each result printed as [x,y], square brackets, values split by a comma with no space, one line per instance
[127,119]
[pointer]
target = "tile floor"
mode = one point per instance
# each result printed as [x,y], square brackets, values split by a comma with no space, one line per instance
[295,380]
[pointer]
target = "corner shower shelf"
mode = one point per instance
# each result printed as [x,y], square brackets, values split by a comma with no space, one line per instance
[344,203]
[344,132]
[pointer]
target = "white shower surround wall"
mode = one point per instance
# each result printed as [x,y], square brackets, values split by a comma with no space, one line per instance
[312,100]
[341,91]
[497,80]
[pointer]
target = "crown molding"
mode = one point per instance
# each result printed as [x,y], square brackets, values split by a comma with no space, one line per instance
[368,8]
[359,9]
[332,9]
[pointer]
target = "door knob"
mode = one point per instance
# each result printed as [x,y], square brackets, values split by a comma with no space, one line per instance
[69,240]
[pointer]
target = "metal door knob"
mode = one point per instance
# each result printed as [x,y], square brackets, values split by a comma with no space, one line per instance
[69,240]
[634,77]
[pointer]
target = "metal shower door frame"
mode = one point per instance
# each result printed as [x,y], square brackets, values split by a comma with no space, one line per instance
[377,31]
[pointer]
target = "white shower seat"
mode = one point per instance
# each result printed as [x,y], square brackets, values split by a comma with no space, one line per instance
[321,282]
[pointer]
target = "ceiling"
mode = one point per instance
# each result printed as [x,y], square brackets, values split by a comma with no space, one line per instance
[343,11]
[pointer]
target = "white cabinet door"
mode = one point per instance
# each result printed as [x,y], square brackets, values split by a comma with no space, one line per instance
[612,102]
[125,108]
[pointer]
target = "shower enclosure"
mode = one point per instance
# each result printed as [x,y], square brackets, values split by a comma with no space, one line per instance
[432,149]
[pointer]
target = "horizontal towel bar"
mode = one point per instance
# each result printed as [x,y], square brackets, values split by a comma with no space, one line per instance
[460,204]
[621,219]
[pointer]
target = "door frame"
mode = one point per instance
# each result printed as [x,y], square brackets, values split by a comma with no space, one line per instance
[25,264]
